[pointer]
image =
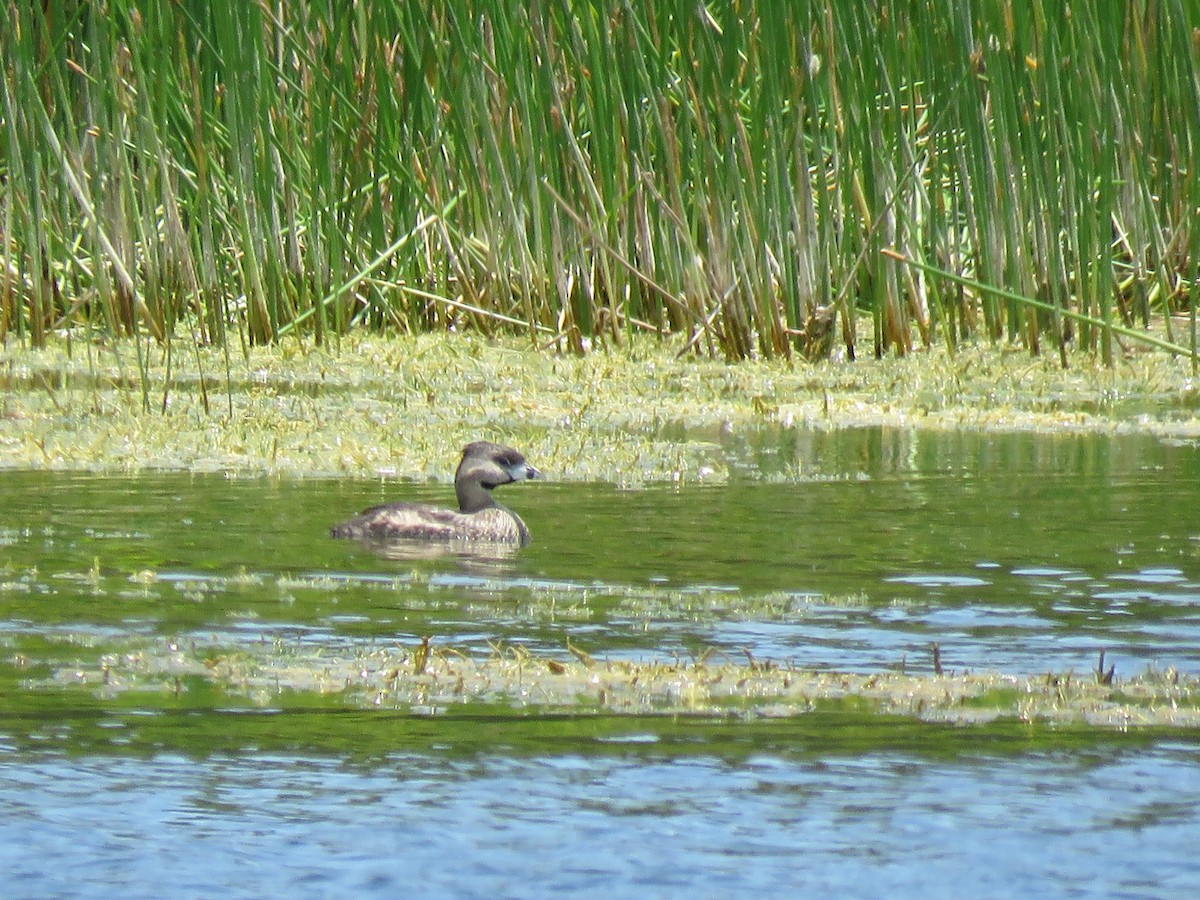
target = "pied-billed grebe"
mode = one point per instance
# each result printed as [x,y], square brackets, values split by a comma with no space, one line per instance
[479,518]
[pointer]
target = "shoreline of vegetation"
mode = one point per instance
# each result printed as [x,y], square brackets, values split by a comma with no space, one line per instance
[749,178]
[642,412]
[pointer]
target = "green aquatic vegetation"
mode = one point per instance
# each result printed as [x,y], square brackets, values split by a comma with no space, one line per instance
[643,413]
[430,679]
[699,604]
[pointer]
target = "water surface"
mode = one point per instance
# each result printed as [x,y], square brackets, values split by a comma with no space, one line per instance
[1018,554]
[843,551]
[1095,823]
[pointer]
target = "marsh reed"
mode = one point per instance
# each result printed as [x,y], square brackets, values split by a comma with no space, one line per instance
[754,176]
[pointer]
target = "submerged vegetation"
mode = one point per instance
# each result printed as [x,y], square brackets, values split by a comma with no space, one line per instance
[752,177]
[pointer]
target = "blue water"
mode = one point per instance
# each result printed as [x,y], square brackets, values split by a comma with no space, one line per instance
[1087,824]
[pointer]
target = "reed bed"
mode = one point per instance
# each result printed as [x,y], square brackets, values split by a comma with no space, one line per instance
[754,176]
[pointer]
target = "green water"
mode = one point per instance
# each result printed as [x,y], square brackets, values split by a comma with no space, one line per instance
[850,551]
[1020,554]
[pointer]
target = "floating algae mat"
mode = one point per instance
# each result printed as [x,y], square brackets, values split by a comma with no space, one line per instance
[645,412]
[427,679]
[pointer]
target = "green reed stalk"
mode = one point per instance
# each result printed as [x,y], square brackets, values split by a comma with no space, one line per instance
[1135,334]
[722,170]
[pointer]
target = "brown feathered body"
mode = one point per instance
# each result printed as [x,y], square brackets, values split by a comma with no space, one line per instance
[478,519]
